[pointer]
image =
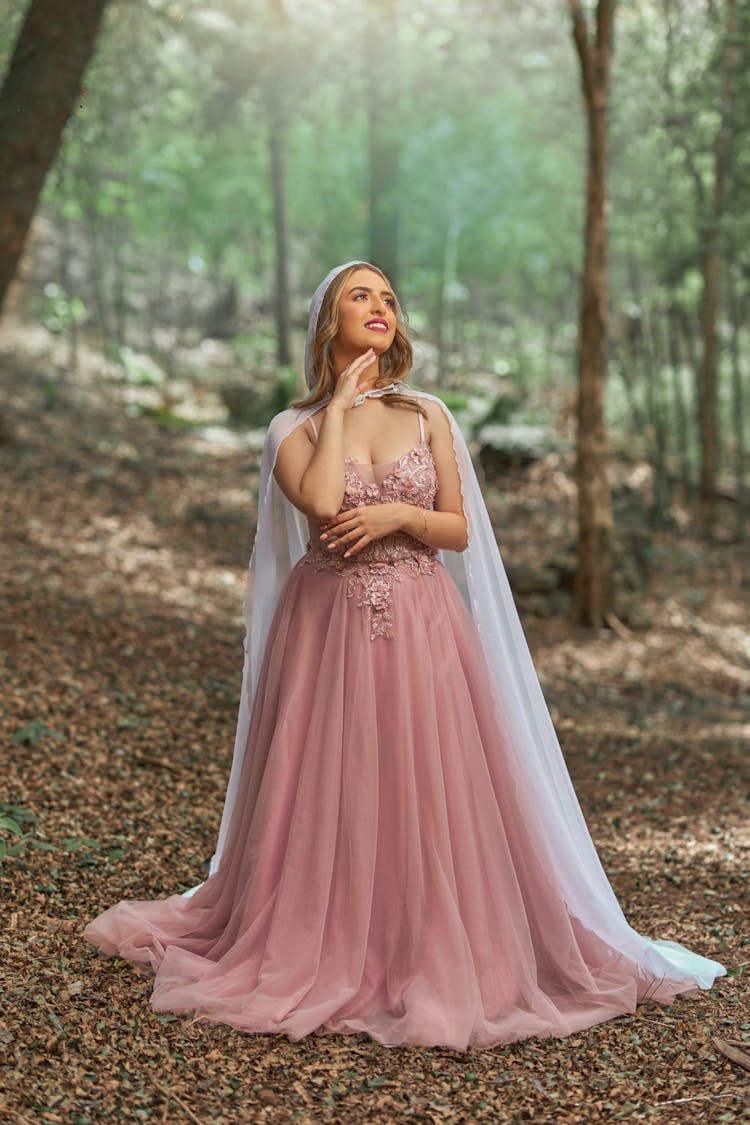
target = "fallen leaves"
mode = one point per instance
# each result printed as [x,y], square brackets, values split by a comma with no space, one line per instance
[121,687]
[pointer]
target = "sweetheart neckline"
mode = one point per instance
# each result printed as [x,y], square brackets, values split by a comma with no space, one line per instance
[380,464]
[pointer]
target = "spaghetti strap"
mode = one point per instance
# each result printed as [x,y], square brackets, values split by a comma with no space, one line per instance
[421,427]
[314,430]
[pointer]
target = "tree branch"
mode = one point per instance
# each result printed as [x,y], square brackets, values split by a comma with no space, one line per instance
[581,38]
[605,24]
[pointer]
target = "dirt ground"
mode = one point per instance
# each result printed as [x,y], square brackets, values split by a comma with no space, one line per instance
[123,551]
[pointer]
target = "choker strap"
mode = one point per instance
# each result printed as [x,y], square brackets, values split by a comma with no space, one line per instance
[376,392]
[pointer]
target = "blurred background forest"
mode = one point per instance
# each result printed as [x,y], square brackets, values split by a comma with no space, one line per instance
[221,158]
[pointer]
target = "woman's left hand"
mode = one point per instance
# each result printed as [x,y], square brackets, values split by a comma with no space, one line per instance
[352,530]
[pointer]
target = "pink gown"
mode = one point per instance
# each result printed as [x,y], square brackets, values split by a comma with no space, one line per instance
[380,874]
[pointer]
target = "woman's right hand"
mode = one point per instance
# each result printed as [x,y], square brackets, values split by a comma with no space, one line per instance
[347,385]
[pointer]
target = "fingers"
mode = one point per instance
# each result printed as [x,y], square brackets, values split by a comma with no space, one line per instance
[360,362]
[349,542]
[358,546]
[339,538]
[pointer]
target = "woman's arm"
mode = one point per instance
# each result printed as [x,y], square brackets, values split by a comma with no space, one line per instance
[436,529]
[446,525]
[311,474]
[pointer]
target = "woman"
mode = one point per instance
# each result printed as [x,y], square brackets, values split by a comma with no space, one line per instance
[401,850]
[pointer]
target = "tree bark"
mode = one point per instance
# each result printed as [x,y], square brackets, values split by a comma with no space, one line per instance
[277,94]
[680,409]
[384,131]
[738,404]
[653,363]
[678,402]
[38,95]
[593,587]
[281,236]
[447,278]
[708,384]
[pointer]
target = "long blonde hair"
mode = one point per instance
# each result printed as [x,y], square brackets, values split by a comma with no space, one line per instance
[393,365]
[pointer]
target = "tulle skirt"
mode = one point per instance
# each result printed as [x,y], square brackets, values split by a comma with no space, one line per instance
[382,873]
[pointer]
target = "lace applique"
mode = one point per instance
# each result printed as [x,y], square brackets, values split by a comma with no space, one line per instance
[372,582]
[412,478]
[371,573]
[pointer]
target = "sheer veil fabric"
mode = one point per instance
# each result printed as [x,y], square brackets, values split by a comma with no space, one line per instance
[533,757]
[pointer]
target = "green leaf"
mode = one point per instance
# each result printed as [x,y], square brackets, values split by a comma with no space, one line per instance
[75,843]
[30,734]
[11,825]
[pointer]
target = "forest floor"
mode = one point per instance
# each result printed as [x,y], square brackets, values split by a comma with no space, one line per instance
[122,560]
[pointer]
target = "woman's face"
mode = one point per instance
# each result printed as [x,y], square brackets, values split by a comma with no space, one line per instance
[367,314]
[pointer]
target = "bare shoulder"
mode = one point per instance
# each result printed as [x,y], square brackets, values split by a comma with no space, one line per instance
[292,458]
[438,425]
[301,438]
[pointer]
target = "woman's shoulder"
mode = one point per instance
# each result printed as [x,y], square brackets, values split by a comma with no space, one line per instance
[283,424]
[436,411]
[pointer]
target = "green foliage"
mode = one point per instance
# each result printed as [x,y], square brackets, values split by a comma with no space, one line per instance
[141,369]
[163,183]
[287,388]
[453,401]
[32,732]
[13,834]
[61,311]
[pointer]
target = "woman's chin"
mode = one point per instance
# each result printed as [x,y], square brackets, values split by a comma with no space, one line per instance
[379,346]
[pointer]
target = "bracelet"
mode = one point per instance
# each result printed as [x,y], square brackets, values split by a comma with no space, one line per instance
[424,529]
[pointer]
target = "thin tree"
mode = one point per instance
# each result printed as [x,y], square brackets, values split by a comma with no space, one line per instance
[39,93]
[593,589]
[277,142]
[384,133]
[710,262]
[710,191]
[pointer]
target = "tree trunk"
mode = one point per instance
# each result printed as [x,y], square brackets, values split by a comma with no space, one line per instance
[678,402]
[37,98]
[119,283]
[680,412]
[281,236]
[98,278]
[384,133]
[447,278]
[277,88]
[621,349]
[707,382]
[652,368]
[593,589]
[707,419]
[738,405]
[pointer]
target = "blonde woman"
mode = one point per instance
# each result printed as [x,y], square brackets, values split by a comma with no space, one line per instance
[402,852]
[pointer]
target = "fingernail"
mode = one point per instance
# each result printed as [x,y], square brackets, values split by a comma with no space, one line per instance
[324,537]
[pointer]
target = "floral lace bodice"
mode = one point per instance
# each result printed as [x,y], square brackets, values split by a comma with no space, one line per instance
[371,571]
